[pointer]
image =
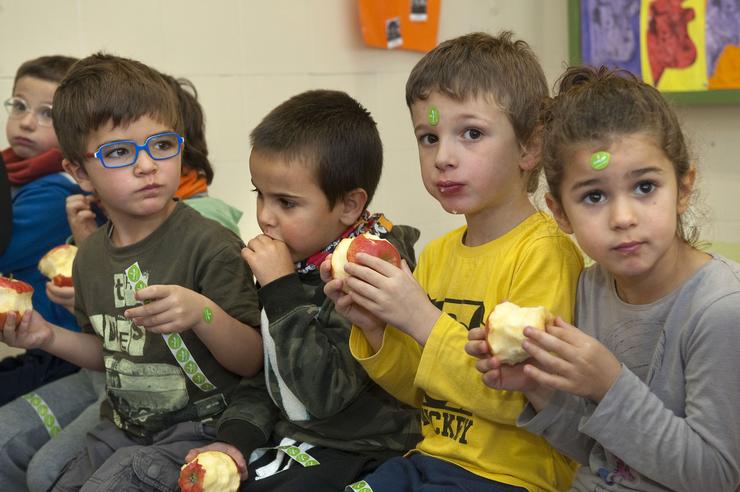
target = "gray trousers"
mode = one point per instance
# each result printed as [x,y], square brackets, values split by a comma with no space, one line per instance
[112,461]
[27,426]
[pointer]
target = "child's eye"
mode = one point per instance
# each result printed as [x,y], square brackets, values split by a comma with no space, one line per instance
[45,112]
[20,106]
[259,193]
[472,134]
[285,203]
[116,152]
[593,197]
[163,145]
[645,187]
[428,139]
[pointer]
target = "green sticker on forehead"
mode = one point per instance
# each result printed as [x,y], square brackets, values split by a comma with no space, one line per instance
[433,116]
[600,159]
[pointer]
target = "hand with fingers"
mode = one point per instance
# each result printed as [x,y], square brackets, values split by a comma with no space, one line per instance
[495,374]
[392,295]
[569,360]
[62,295]
[168,308]
[80,216]
[268,258]
[32,332]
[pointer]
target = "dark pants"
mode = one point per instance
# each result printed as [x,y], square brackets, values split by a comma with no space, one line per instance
[114,462]
[336,470]
[420,473]
[24,373]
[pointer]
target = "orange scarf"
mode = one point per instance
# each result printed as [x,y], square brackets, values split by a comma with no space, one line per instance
[191,184]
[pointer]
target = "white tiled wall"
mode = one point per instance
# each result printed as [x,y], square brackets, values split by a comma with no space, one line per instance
[246,56]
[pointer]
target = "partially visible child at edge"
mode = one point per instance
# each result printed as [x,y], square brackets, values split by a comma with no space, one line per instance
[315,164]
[645,395]
[76,416]
[165,301]
[39,187]
[474,102]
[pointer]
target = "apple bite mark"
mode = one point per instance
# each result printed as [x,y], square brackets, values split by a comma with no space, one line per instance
[57,264]
[15,295]
[505,327]
[212,471]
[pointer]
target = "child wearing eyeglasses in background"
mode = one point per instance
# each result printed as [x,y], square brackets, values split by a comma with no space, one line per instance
[39,187]
[166,305]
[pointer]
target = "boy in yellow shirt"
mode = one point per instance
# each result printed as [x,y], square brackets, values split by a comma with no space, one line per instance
[474,102]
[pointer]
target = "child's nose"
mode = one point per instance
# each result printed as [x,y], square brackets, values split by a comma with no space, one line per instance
[145,164]
[445,156]
[622,213]
[29,120]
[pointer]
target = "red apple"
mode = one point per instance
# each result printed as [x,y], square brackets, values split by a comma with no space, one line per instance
[348,248]
[57,264]
[212,471]
[15,295]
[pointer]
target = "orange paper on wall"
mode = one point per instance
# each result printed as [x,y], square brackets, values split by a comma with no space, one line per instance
[400,24]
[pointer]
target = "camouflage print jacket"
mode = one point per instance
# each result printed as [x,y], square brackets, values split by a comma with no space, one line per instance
[345,409]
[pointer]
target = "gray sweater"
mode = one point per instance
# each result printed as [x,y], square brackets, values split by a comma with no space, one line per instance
[671,420]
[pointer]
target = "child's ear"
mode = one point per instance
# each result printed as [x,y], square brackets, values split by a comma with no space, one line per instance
[531,152]
[685,187]
[352,203]
[558,212]
[77,171]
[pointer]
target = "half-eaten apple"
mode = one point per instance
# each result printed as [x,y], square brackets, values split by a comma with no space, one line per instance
[57,264]
[348,248]
[15,295]
[505,326]
[211,471]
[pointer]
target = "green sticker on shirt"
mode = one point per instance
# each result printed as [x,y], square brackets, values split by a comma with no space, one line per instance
[184,357]
[361,486]
[301,457]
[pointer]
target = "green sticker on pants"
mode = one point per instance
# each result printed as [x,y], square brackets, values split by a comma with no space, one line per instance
[44,412]
[361,486]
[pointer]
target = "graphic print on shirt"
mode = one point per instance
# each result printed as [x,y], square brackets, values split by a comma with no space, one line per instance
[137,389]
[449,420]
[446,420]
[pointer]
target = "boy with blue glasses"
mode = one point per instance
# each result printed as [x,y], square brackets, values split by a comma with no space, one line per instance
[165,302]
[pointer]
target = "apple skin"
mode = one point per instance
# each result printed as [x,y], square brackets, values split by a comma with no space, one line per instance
[21,288]
[348,248]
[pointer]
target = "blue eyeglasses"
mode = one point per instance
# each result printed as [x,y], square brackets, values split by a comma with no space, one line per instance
[123,153]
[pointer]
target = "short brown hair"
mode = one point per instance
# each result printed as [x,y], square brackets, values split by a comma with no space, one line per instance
[102,88]
[479,64]
[597,105]
[195,152]
[51,68]
[331,131]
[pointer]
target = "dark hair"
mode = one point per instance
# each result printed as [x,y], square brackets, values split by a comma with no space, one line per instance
[333,132]
[102,88]
[596,105]
[49,68]
[479,64]
[195,152]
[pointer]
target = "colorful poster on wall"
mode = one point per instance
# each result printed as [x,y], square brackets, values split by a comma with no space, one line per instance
[400,24]
[675,45]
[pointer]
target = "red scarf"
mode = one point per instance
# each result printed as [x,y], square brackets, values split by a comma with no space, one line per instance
[23,171]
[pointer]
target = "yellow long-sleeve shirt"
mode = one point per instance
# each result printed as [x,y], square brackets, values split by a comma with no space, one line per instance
[463,421]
